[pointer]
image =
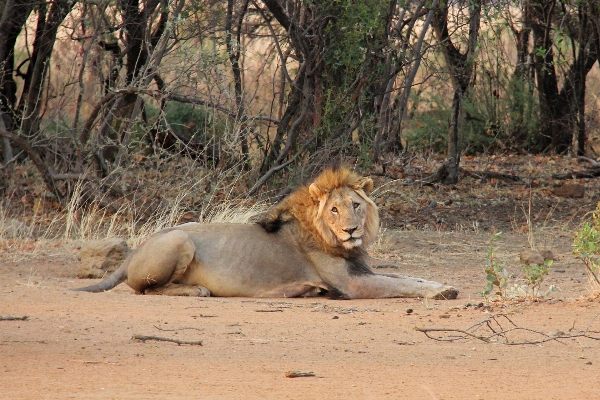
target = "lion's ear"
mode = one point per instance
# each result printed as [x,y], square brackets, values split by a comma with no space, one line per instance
[315,192]
[366,184]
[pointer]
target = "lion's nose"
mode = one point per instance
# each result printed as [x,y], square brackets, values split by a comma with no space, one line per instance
[350,231]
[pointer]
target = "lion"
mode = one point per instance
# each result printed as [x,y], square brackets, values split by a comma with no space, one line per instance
[312,243]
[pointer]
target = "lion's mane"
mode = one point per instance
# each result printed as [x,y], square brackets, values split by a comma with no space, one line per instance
[304,206]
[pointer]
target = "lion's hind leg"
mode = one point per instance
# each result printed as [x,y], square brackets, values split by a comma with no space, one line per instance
[160,262]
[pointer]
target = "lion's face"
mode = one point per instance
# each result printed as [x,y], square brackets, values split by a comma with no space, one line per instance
[346,216]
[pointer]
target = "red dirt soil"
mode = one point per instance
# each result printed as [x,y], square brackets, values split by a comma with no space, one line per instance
[77,345]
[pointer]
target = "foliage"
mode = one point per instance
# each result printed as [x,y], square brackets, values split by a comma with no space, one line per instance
[534,276]
[499,279]
[587,246]
[497,275]
[316,81]
[358,23]
[189,120]
[427,130]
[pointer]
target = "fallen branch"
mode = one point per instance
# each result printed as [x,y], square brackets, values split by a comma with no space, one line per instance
[143,338]
[589,173]
[590,160]
[495,332]
[491,175]
[13,317]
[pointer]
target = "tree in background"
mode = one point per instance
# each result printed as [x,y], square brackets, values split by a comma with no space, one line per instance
[562,109]
[281,87]
[460,68]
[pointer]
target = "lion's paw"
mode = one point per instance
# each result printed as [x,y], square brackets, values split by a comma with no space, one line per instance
[202,291]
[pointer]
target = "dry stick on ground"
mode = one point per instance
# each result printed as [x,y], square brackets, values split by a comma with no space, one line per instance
[177,329]
[13,317]
[442,173]
[495,331]
[143,338]
[491,175]
[589,173]
[96,362]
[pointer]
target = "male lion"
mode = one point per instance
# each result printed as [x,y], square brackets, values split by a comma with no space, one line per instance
[312,243]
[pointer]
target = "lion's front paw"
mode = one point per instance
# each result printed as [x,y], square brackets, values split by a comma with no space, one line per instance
[202,291]
[447,293]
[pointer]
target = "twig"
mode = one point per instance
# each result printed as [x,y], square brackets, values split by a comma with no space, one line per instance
[7,163]
[13,317]
[25,341]
[177,329]
[495,330]
[143,338]
[96,362]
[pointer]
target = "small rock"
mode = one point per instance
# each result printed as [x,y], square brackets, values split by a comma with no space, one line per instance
[99,257]
[299,374]
[570,190]
[529,257]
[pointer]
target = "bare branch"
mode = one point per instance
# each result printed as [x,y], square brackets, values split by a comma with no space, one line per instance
[274,35]
[37,161]
[496,333]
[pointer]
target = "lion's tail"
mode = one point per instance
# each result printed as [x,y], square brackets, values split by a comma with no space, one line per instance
[113,279]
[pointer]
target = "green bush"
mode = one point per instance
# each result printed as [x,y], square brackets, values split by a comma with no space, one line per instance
[190,120]
[428,130]
[587,246]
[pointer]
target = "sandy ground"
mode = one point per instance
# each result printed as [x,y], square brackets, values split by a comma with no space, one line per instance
[80,346]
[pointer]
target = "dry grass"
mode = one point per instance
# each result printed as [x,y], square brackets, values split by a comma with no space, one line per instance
[161,193]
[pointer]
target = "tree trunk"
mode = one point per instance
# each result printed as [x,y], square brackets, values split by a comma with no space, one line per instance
[460,67]
[521,83]
[40,63]
[453,138]
[233,28]
[14,14]
[562,111]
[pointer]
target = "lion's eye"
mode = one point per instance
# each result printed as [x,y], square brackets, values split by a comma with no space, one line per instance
[355,205]
[334,210]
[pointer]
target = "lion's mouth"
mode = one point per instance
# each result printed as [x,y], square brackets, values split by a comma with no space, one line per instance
[352,242]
